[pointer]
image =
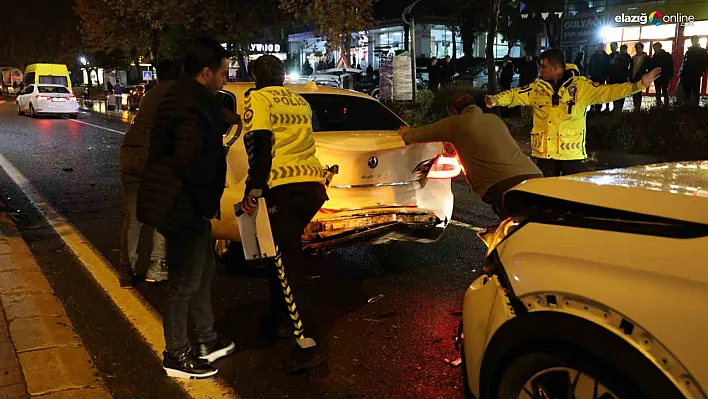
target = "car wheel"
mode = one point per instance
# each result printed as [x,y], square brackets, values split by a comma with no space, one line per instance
[230,254]
[564,373]
[19,110]
[31,111]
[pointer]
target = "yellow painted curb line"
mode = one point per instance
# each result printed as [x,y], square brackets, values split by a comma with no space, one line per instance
[140,314]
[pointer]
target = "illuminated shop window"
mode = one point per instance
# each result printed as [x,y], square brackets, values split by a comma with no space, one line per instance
[658,32]
[699,28]
[687,43]
[631,33]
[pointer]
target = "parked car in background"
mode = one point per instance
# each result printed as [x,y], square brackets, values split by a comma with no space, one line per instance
[46,99]
[595,288]
[477,76]
[385,191]
[134,96]
[334,77]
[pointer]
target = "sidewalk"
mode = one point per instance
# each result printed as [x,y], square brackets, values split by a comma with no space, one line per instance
[99,107]
[40,353]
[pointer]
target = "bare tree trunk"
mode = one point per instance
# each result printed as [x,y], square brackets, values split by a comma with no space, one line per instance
[454,42]
[406,37]
[155,46]
[491,36]
[136,60]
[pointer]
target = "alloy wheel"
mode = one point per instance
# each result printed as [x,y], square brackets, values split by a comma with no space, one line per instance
[564,383]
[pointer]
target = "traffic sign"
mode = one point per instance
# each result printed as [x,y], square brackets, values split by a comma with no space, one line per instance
[147,75]
[342,63]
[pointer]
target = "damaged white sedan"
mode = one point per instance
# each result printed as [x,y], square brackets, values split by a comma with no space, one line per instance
[384,190]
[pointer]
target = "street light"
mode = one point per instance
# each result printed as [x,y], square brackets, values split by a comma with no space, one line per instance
[83,61]
[407,11]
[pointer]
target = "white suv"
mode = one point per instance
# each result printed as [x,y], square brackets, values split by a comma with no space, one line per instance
[597,289]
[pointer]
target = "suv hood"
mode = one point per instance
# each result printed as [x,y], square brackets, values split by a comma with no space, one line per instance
[676,190]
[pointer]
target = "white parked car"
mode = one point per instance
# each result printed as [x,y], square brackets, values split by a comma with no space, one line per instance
[45,99]
[384,191]
[334,77]
[597,289]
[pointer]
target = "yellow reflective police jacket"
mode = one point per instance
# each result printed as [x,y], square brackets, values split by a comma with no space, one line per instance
[289,117]
[559,126]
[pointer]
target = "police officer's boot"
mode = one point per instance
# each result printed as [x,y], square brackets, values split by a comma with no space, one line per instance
[304,355]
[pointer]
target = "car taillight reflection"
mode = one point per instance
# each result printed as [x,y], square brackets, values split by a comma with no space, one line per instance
[445,167]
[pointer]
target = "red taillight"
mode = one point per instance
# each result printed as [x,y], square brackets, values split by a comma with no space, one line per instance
[42,97]
[445,168]
[71,98]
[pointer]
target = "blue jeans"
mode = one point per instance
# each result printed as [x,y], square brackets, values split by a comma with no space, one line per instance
[191,264]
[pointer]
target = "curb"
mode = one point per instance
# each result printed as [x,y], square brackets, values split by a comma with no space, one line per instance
[44,355]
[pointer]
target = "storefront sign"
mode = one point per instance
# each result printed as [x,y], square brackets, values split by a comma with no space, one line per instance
[579,31]
[264,48]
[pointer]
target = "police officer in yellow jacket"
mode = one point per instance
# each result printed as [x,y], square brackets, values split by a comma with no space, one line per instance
[559,99]
[284,170]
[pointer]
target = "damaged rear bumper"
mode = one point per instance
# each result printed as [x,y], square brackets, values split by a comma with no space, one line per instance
[373,227]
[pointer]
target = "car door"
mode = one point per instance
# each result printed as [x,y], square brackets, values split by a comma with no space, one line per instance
[25,97]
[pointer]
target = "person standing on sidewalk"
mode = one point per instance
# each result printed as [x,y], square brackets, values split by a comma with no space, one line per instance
[560,98]
[598,67]
[278,138]
[118,94]
[619,72]
[638,69]
[506,73]
[662,59]
[490,155]
[180,194]
[695,62]
[131,165]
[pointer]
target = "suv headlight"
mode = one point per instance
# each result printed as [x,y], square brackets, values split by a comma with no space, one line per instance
[493,236]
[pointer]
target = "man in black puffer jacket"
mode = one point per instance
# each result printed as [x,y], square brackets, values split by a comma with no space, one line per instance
[180,193]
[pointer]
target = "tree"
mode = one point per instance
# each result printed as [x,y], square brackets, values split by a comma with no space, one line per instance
[52,39]
[133,26]
[337,20]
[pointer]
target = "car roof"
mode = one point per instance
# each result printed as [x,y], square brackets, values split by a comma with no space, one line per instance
[48,85]
[676,190]
[240,88]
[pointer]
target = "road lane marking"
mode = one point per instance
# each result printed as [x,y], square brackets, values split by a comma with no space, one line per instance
[136,310]
[468,226]
[91,124]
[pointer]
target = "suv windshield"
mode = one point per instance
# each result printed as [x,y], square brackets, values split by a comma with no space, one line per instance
[52,89]
[337,113]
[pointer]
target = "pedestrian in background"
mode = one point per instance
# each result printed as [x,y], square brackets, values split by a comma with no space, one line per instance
[598,68]
[118,94]
[560,99]
[131,164]
[506,73]
[180,194]
[433,74]
[579,61]
[662,59]
[490,155]
[528,70]
[695,62]
[619,72]
[639,67]
[109,87]
[274,146]
[446,72]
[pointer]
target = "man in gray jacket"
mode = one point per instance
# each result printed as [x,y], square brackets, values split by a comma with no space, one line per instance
[491,157]
[133,156]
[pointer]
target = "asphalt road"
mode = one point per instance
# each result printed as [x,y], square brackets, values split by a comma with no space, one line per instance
[393,347]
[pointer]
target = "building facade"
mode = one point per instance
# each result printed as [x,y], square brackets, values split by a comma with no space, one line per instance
[368,48]
[671,23]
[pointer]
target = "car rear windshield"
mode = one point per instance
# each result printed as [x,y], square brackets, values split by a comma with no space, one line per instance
[53,89]
[53,80]
[337,113]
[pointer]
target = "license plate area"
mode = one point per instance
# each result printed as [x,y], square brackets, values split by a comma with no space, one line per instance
[58,99]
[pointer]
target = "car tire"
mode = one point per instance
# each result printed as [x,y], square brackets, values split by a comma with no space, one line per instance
[551,364]
[32,113]
[19,110]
